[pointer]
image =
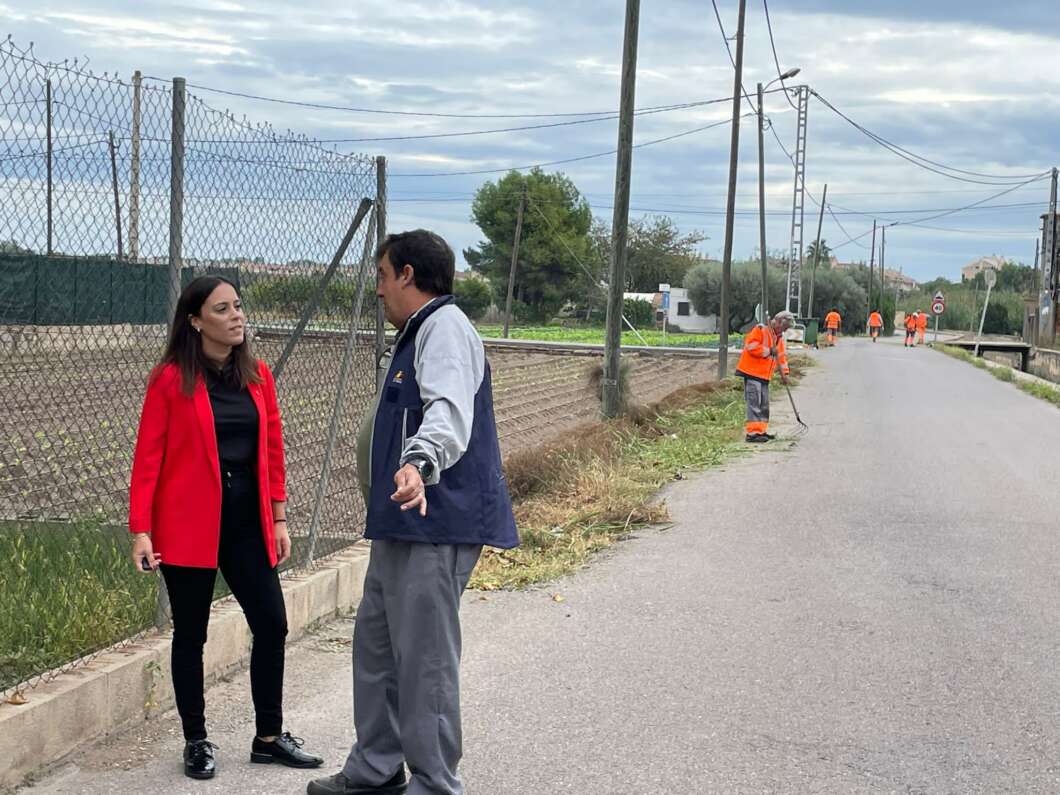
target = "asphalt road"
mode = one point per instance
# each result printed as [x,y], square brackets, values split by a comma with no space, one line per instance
[872,610]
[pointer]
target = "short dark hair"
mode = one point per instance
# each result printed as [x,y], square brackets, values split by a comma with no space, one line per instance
[431,259]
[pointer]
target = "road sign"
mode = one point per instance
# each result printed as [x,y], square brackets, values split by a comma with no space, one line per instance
[939,297]
[938,307]
[990,277]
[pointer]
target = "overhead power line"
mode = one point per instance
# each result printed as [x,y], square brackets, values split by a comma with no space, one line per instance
[776,60]
[429,114]
[580,158]
[928,164]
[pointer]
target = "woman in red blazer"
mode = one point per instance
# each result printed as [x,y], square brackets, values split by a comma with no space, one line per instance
[208,493]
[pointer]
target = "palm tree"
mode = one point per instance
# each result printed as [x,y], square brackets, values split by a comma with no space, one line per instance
[826,253]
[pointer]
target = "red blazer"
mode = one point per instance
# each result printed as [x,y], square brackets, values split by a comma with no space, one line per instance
[175,493]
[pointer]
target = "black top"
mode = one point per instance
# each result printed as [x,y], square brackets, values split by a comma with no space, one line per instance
[235,419]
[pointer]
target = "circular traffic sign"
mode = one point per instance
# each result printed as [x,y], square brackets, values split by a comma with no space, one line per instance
[938,307]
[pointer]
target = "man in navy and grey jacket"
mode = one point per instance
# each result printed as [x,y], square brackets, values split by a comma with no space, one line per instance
[436,495]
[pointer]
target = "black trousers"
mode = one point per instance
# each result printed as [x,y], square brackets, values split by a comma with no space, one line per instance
[244,563]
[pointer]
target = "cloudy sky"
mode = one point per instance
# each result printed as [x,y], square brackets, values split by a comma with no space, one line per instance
[972,85]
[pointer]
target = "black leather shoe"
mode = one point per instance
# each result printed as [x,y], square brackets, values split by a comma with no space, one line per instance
[284,750]
[756,438]
[340,785]
[198,759]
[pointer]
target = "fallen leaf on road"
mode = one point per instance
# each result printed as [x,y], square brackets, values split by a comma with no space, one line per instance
[17,699]
[558,597]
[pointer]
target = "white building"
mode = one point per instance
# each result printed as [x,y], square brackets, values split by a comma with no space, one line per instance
[681,313]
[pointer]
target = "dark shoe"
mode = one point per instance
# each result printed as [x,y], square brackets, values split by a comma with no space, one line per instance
[756,438]
[338,784]
[284,750]
[770,436]
[198,759]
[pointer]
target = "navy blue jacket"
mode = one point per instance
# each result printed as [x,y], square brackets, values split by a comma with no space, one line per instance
[470,503]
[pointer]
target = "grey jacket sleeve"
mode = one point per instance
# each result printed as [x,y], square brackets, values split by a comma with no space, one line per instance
[450,365]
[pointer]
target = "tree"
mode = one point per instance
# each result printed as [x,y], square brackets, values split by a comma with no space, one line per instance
[826,255]
[638,312]
[555,238]
[703,283]
[656,252]
[473,296]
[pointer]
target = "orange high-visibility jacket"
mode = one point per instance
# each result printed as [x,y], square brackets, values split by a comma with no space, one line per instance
[910,322]
[756,360]
[875,320]
[832,320]
[922,321]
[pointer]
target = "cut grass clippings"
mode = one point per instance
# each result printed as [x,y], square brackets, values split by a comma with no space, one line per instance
[583,493]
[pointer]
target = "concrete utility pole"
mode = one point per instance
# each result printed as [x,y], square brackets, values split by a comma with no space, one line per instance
[762,206]
[612,399]
[734,153]
[872,266]
[515,263]
[816,252]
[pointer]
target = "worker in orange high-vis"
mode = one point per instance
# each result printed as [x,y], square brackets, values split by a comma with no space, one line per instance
[921,327]
[910,330]
[832,321]
[763,350]
[875,324]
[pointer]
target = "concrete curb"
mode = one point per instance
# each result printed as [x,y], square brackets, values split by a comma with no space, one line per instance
[131,685]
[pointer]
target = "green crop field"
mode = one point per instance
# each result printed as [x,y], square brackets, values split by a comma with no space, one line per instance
[589,335]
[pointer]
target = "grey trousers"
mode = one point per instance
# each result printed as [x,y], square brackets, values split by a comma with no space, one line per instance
[406,666]
[756,393]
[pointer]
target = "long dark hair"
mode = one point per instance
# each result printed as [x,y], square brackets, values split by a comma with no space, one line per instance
[184,348]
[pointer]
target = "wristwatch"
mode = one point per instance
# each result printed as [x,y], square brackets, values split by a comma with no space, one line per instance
[423,466]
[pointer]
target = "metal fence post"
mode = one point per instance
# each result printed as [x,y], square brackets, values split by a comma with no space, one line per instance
[48,125]
[176,196]
[134,173]
[380,234]
[176,242]
[340,390]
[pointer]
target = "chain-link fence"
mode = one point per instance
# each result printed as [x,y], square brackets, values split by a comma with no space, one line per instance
[113,194]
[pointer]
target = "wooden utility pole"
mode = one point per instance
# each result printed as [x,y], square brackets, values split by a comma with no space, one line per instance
[515,263]
[762,207]
[730,209]
[612,398]
[114,187]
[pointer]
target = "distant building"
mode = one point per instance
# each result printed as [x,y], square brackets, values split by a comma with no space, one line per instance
[905,284]
[974,268]
[681,312]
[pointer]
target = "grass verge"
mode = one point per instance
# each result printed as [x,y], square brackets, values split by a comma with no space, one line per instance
[1049,394]
[584,493]
[68,590]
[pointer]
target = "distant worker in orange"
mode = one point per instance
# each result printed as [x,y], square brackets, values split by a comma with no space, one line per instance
[921,327]
[763,349]
[875,324]
[832,322]
[910,329]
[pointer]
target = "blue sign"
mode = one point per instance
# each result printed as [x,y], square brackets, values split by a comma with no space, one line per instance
[666,301]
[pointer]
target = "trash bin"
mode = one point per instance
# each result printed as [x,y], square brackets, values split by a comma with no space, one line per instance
[811,324]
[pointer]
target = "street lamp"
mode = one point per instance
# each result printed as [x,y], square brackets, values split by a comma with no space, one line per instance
[762,184]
